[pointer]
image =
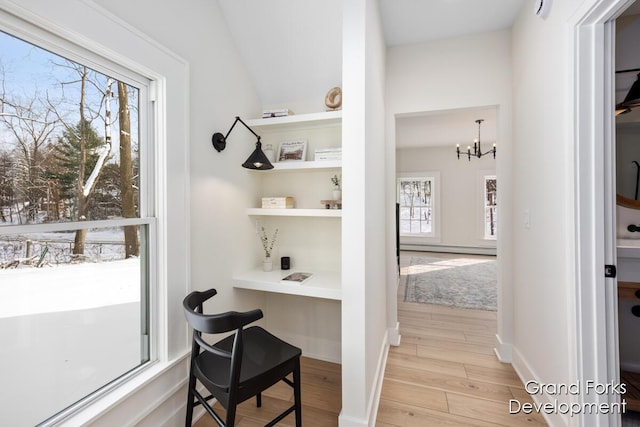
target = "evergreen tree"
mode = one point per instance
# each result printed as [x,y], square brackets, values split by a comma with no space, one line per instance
[67,161]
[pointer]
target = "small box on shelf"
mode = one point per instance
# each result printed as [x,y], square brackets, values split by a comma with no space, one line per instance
[331,204]
[278,203]
[331,153]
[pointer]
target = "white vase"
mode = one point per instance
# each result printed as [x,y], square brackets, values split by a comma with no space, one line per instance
[337,194]
[268,151]
[267,265]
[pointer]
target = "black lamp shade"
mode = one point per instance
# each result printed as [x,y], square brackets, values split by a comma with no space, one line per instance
[258,160]
[632,99]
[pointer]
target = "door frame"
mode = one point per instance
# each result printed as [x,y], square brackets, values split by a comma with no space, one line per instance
[592,100]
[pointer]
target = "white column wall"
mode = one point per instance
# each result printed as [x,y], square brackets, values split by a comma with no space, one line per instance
[363,220]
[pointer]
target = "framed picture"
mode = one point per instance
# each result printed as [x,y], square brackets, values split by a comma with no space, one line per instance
[292,151]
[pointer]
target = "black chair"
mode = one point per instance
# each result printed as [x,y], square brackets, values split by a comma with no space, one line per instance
[241,366]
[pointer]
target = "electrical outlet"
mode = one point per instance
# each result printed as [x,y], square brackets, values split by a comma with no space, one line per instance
[527,219]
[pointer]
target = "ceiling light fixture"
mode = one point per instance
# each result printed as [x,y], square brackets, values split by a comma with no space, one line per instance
[257,160]
[477,149]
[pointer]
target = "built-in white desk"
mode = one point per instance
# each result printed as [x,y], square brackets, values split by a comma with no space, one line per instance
[322,284]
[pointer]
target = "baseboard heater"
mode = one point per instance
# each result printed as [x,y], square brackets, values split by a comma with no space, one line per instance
[472,250]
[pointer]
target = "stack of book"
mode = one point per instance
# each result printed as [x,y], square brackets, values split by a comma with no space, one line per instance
[331,153]
[278,112]
[277,203]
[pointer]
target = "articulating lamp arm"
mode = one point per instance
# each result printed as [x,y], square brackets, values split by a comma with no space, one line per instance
[220,141]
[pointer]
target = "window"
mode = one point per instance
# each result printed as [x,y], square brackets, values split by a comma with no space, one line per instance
[416,197]
[76,226]
[490,207]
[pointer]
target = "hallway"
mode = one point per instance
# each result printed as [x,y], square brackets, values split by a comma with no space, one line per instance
[445,371]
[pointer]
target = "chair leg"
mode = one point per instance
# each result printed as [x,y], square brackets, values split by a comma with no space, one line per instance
[296,393]
[259,400]
[190,399]
[231,414]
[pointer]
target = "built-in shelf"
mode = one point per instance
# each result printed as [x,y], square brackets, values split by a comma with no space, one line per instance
[321,284]
[628,248]
[302,166]
[331,213]
[303,120]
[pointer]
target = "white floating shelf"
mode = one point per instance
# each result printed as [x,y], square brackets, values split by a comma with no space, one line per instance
[323,118]
[321,284]
[311,165]
[330,213]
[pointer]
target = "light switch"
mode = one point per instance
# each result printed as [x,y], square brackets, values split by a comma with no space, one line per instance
[527,219]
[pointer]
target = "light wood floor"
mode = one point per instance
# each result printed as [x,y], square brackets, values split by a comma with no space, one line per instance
[444,373]
[321,400]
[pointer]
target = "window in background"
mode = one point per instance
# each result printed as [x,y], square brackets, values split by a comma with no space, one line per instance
[490,207]
[76,222]
[416,197]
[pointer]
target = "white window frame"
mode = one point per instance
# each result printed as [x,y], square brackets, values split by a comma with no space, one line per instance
[434,177]
[486,236]
[150,197]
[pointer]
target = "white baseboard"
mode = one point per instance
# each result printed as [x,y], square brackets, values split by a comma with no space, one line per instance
[382,364]
[526,373]
[394,335]
[374,399]
[503,350]
[474,250]
[344,421]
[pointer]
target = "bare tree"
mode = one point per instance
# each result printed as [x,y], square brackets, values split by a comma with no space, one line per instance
[6,187]
[31,122]
[132,246]
[87,175]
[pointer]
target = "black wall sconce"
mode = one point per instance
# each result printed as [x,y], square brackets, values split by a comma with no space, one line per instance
[257,160]
[632,100]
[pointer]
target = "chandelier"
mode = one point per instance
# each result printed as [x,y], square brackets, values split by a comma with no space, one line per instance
[477,149]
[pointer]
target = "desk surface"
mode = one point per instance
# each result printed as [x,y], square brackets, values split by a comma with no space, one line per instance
[322,284]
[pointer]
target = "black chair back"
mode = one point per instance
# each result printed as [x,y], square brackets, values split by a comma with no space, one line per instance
[219,366]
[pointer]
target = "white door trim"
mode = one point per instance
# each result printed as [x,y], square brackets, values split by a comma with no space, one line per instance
[596,345]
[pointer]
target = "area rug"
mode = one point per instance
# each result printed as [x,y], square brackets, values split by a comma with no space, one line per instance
[456,282]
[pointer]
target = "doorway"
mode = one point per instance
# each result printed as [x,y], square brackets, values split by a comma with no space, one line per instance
[448,205]
[627,180]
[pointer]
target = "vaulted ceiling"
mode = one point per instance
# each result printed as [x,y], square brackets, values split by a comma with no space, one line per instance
[292,49]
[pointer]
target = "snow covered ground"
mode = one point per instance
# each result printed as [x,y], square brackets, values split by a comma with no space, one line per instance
[67,331]
[68,287]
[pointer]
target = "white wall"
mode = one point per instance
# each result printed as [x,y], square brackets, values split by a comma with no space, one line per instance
[543,254]
[461,194]
[466,72]
[363,221]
